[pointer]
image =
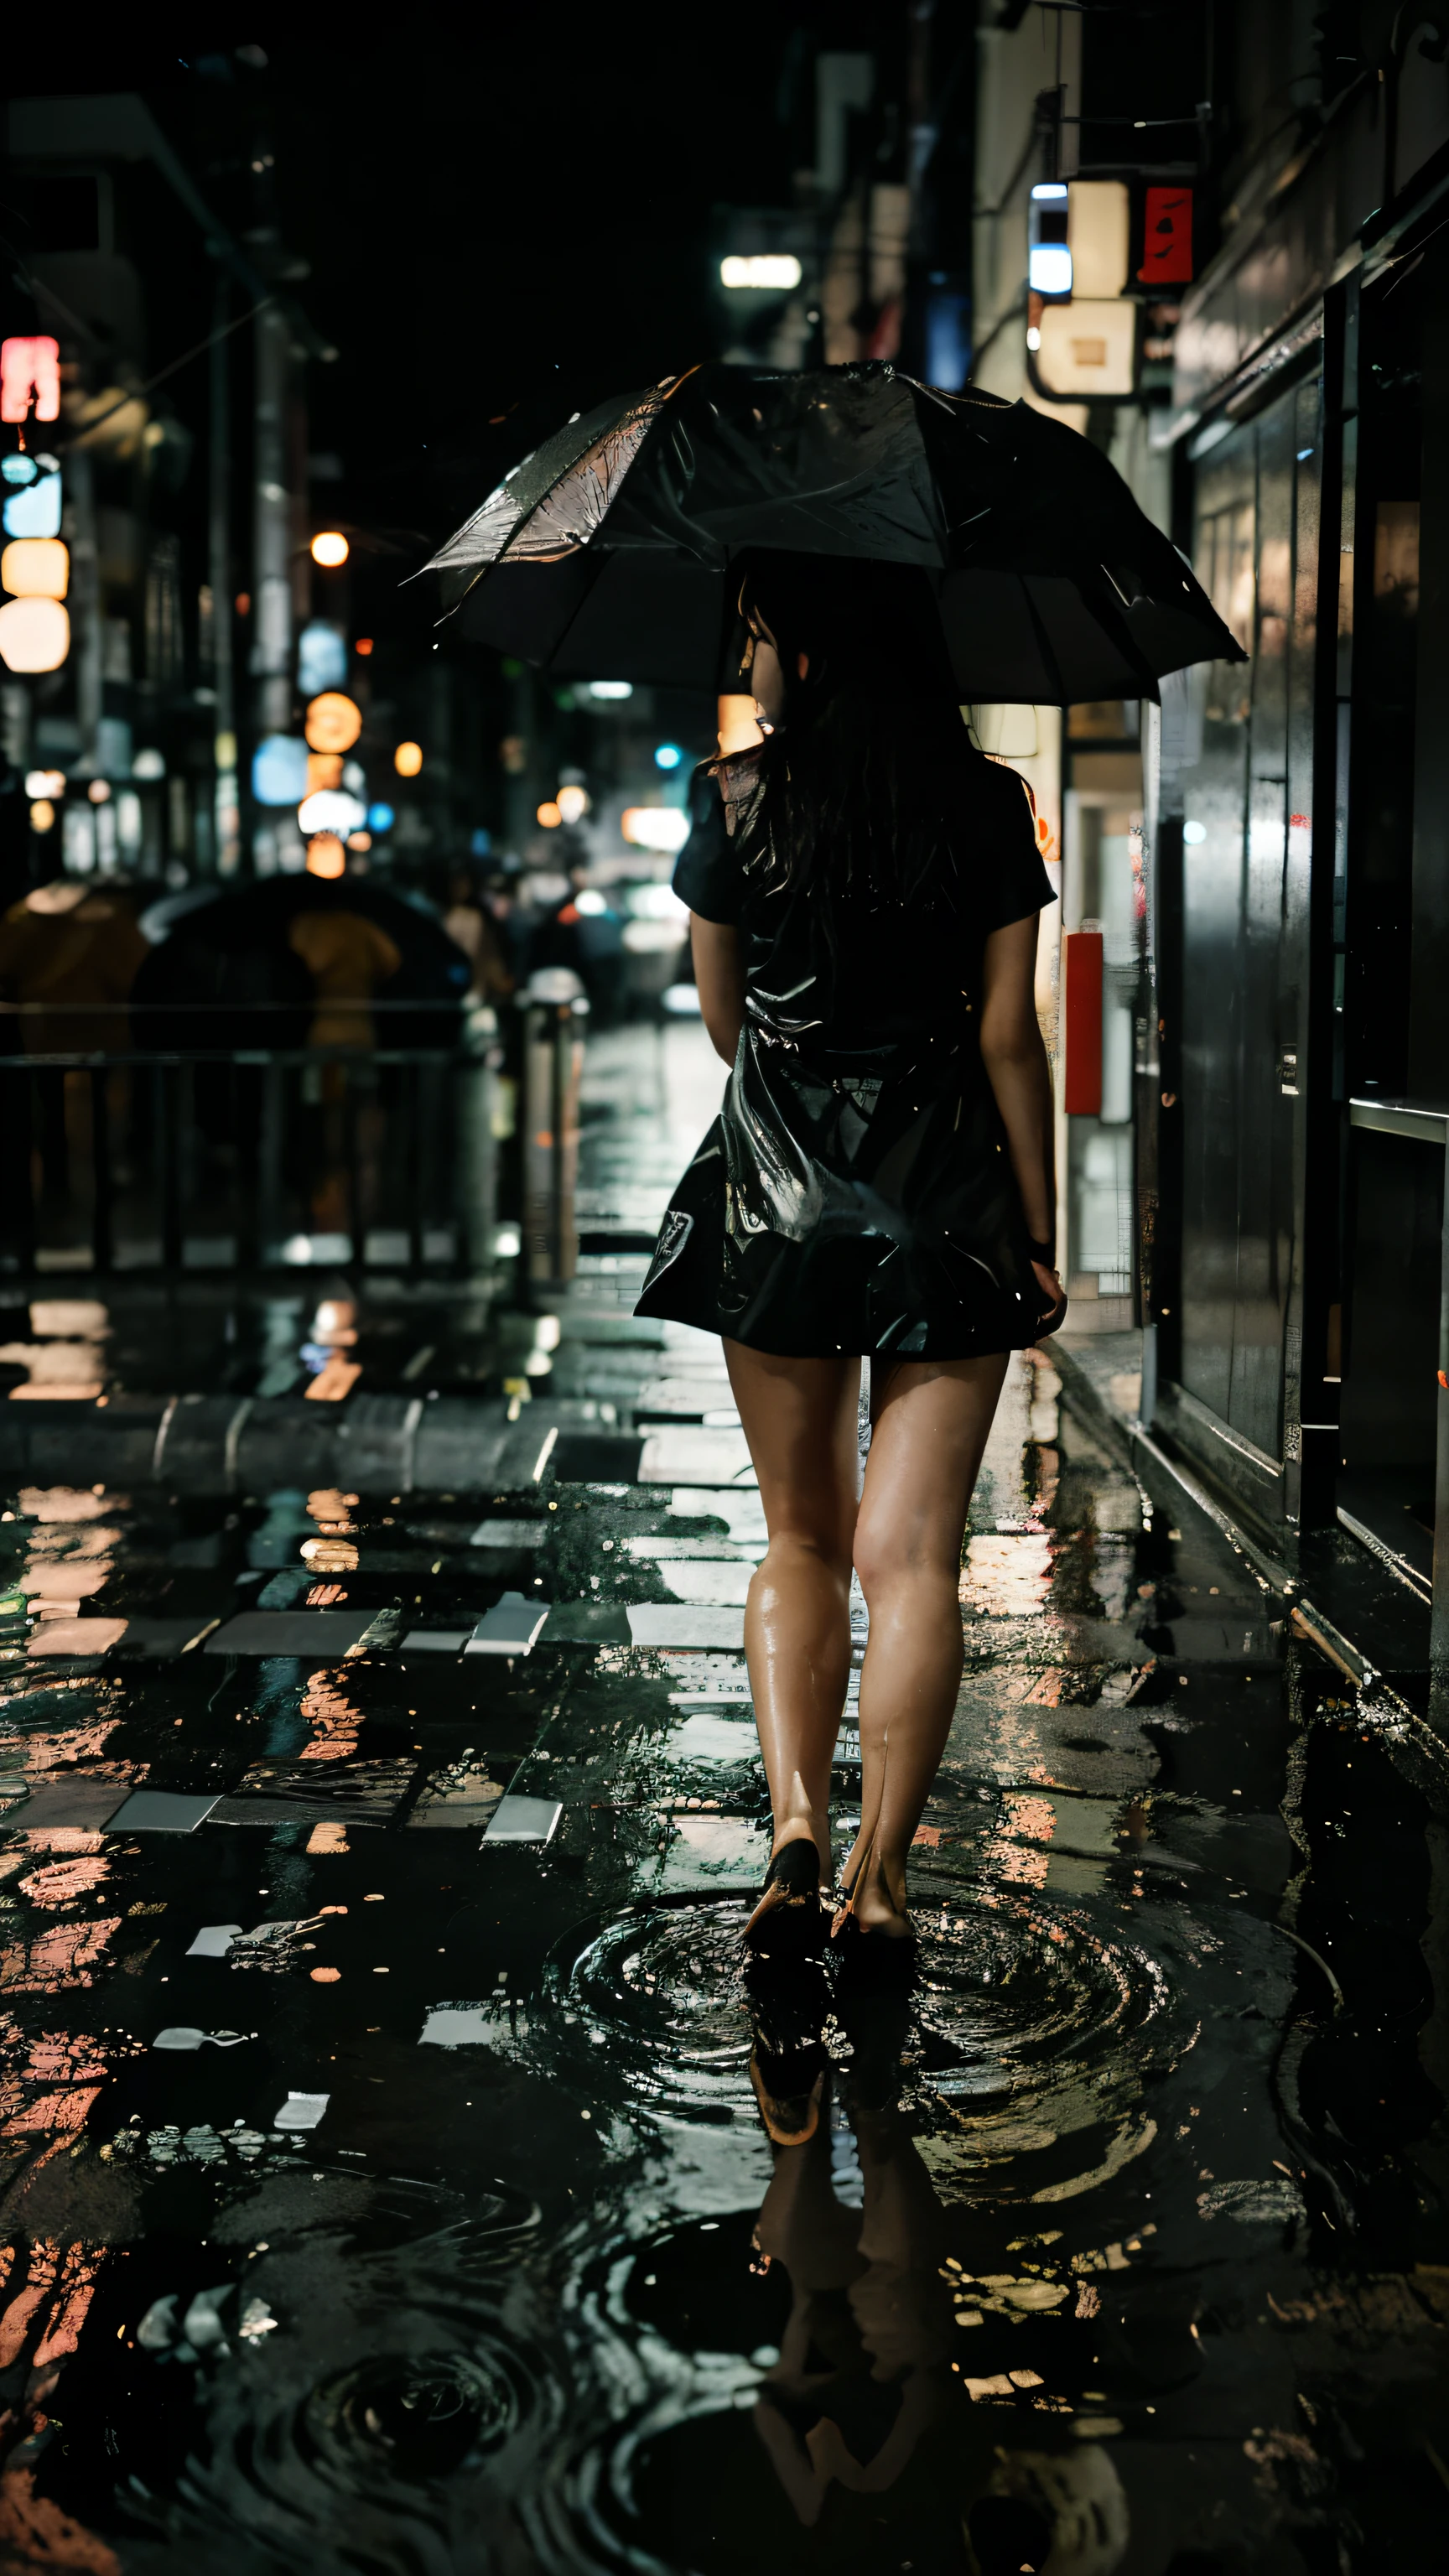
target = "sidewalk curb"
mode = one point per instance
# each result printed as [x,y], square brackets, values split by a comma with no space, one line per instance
[1414,1747]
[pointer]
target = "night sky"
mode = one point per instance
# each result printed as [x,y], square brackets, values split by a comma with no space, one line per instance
[506,213]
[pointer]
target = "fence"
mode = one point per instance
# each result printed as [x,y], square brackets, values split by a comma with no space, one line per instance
[196,1158]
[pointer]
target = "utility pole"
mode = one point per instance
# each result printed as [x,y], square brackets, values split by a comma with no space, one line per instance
[219,573]
[271,525]
[85,606]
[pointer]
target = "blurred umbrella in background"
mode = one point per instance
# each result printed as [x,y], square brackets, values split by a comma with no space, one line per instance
[614,549]
[303,948]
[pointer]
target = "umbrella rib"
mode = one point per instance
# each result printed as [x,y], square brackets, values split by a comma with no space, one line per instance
[666,394]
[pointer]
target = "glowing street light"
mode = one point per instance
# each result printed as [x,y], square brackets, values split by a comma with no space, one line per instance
[34,634]
[667,755]
[407,760]
[573,804]
[330,549]
[333,722]
[331,809]
[549,815]
[326,856]
[45,782]
[42,815]
[36,568]
[777,270]
[655,827]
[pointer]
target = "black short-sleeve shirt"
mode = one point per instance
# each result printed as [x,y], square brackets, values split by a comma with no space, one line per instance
[1004,882]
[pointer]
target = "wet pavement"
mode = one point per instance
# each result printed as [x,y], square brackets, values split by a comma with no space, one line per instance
[384,2183]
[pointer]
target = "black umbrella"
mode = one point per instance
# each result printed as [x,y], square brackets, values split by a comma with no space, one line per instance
[217,956]
[608,553]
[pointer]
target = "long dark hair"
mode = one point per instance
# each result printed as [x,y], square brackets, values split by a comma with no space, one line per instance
[859,783]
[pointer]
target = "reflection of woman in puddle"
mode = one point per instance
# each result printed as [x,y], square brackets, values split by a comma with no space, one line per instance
[863,2391]
[864,889]
[863,2371]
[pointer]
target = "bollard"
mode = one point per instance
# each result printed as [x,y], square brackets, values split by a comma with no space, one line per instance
[476,1176]
[555,1011]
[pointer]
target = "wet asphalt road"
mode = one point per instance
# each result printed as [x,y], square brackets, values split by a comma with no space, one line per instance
[419,2217]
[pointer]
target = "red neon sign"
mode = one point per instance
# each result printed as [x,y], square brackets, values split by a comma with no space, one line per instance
[1167,238]
[29,367]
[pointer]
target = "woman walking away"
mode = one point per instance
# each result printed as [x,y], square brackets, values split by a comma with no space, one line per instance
[864,898]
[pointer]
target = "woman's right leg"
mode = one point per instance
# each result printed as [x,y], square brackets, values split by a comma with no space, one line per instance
[800,1418]
[931,1420]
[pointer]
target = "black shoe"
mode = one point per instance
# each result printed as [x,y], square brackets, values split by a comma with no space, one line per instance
[789,1919]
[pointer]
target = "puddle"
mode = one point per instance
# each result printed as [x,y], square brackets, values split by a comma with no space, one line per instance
[1119,2240]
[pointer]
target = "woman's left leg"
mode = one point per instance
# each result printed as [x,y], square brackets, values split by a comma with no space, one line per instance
[800,1419]
[931,1420]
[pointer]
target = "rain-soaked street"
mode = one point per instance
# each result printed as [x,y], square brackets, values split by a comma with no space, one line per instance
[385,2187]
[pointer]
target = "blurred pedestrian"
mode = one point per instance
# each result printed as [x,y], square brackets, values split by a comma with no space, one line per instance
[349,957]
[471,926]
[585,933]
[69,952]
[879,1184]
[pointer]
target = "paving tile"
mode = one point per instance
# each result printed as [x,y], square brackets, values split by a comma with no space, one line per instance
[54,1804]
[678,1454]
[457,2026]
[185,2037]
[158,1640]
[323,1633]
[462,1795]
[708,1676]
[511,1534]
[161,1811]
[591,1623]
[524,1820]
[738,1506]
[357,1793]
[301,2111]
[663,1623]
[721,1582]
[596,1458]
[511,1627]
[722,1852]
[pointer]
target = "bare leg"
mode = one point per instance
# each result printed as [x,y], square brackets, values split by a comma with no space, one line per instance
[799,1417]
[931,1422]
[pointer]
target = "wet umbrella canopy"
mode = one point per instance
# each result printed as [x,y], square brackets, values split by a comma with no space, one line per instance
[221,956]
[610,551]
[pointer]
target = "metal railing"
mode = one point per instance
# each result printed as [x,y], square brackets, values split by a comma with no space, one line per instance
[191,1158]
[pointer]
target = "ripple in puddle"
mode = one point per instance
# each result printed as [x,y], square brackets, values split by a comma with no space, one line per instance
[1040,2031]
[647,2010]
[398,2407]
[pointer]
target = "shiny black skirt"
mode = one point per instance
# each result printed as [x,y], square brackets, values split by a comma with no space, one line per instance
[851,1204]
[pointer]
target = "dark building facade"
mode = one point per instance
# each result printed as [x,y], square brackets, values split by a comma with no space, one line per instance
[1294,1133]
[1282,1191]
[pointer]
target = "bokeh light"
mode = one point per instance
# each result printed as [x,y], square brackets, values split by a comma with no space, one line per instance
[326,856]
[333,723]
[34,634]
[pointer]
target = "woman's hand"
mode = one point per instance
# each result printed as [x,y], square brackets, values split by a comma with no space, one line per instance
[1050,1284]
